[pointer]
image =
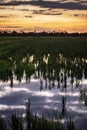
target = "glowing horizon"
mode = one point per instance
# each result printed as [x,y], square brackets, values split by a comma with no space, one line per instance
[66,16]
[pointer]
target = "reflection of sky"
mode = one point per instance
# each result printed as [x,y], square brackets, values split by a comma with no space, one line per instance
[68,15]
[45,101]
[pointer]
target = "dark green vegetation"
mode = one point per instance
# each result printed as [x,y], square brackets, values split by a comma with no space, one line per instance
[18,47]
[46,55]
[49,58]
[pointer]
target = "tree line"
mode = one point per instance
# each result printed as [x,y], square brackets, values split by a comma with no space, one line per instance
[43,33]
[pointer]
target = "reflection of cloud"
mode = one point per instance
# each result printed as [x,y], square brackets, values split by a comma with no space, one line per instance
[44,93]
[12,107]
[45,102]
[74,108]
[7,91]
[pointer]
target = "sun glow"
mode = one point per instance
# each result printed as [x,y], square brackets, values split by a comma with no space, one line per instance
[28,17]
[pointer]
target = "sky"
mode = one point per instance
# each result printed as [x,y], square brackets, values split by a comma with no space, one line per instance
[43,15]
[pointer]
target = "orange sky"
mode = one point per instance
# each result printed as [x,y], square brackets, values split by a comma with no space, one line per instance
[29,18]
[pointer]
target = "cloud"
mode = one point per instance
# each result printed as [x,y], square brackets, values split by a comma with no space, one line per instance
[28,16]
[8,16]
[46,12]
[2,7]
[5,1]
[83,2]
[23,10]
[50,4]
[67,5]
[11,27]
[3,16]
[81,15]
[5,7]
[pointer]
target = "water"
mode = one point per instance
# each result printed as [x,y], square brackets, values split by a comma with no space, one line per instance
[44,102]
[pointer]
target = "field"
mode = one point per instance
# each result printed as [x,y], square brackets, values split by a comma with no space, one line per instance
[43,83]
[20,46]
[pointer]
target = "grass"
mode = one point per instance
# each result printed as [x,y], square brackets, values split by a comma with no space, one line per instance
[20,46]
[33,122]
